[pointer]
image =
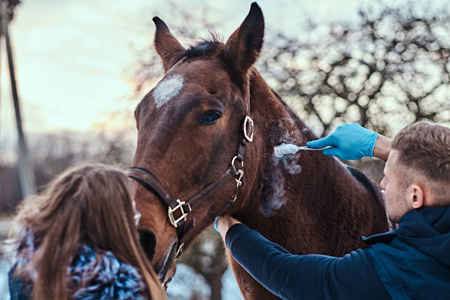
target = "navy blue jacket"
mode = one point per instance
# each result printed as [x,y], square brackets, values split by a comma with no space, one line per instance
[412,262]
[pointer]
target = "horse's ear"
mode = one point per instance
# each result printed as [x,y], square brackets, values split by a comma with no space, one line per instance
[166,44]
[244,45]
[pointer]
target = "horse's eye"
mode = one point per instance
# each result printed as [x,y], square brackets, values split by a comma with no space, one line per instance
[209,118]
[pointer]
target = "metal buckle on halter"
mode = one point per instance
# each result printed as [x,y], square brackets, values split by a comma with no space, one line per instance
[183,215]
[248,132]
[239,175]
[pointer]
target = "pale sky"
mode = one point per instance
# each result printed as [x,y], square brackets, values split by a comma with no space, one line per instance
[75,58]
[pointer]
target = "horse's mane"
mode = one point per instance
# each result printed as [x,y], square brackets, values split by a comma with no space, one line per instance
[201,48]
[208,47]
[300,124]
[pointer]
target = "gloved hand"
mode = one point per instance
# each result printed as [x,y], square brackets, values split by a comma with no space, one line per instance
[349,141]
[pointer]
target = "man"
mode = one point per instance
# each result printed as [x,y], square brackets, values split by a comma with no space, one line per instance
[411,262]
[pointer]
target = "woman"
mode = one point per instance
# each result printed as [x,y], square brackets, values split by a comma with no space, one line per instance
[78,240]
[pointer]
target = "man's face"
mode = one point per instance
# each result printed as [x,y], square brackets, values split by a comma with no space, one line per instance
[394,188]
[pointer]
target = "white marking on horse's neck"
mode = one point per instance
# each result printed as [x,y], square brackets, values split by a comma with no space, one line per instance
[167,89]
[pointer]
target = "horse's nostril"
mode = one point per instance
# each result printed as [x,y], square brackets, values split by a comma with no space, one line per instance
[148,242]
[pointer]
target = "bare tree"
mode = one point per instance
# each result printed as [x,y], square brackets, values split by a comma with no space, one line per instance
[388,70]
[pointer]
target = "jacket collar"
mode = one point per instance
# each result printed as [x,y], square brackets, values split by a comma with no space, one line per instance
[419,223]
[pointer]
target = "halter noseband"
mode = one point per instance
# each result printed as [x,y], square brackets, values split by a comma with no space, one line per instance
[178,210]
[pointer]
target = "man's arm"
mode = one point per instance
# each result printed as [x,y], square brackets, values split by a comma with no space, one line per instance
[300,276]
[382,147]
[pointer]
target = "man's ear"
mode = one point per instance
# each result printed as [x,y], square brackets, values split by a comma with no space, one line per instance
[417,195]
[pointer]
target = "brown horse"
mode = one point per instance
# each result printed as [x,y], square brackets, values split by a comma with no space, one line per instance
[211,124]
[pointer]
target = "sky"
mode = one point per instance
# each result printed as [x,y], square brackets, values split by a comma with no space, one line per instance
[75,59]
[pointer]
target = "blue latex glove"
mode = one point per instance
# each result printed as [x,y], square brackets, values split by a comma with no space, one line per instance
[215,223]
[349,141]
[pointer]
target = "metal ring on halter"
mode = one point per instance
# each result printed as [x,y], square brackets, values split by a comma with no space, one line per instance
[234,159]
[248,134]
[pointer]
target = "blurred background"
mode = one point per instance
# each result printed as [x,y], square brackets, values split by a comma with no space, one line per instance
[81,67]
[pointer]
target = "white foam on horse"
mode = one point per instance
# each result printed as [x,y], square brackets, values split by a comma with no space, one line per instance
[284,149]
[167,89]
[273,187]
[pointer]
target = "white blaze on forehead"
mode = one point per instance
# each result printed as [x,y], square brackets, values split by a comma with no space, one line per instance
[167,89]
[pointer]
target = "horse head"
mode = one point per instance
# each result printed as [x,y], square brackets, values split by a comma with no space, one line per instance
[193,132]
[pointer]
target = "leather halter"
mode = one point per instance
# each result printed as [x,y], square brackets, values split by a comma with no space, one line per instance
[178,210]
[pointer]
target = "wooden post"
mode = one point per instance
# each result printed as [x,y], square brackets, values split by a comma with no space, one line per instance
[26,174]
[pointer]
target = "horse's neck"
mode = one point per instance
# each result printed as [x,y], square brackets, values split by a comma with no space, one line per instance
[293,193]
